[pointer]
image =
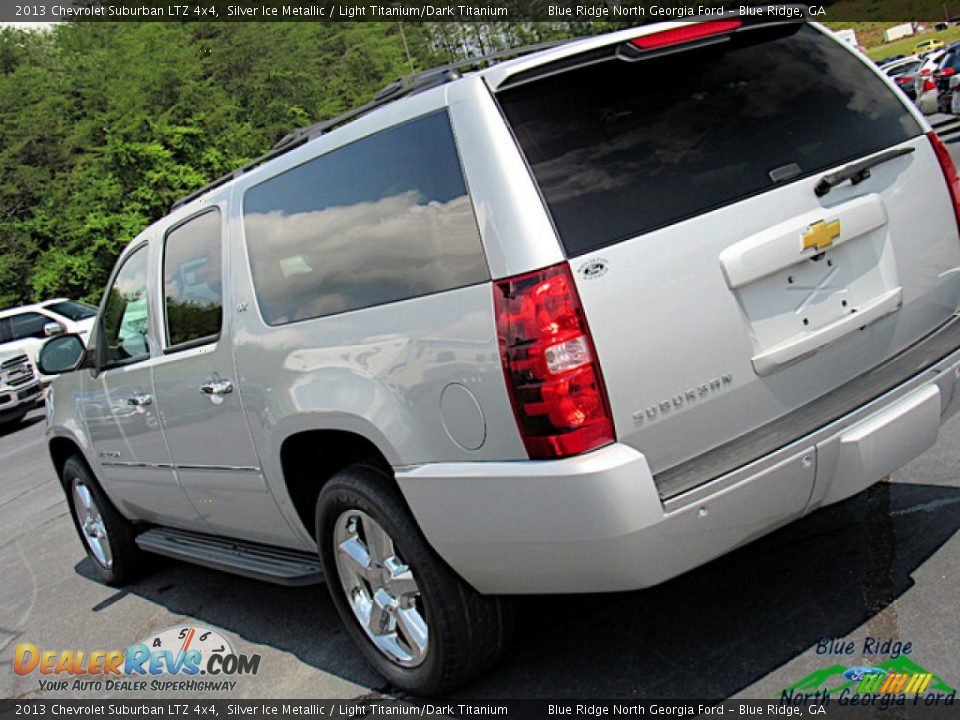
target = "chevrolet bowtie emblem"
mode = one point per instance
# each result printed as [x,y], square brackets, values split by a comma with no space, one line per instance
[820,235]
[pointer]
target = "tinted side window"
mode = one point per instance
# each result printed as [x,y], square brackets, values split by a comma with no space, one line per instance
[622,148]
[126,318]
[383,219]
[28,325]
[192,280]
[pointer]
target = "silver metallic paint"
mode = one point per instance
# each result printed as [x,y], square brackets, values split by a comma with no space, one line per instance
[507,524]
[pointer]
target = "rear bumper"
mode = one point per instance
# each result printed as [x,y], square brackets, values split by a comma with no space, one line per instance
[596,523]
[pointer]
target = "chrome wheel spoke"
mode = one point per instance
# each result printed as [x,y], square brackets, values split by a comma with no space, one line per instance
[105,549]
[355,555]
[84,498]
[381,613]
[379,544]
[414,630]
[391,646]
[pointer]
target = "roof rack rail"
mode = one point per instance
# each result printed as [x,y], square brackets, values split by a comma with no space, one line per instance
[411,85]
[397,89]
[224,179]
[401,87]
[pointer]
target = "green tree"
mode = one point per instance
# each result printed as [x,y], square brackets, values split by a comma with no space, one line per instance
[103,126]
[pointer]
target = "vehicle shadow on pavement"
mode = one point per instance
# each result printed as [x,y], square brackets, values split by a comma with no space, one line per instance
[707,634]
[11,428]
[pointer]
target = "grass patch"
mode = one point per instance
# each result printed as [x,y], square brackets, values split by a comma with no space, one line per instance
[905,46]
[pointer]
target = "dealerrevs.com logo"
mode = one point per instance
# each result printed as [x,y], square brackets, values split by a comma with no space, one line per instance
[186,658]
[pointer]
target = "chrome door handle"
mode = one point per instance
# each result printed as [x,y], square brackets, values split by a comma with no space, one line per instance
[140,400]
[217,387]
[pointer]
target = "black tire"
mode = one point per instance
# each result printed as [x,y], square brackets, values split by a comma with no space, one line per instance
[127,561]
[468,632]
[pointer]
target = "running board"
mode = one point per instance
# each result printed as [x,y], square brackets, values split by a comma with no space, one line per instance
[261,562]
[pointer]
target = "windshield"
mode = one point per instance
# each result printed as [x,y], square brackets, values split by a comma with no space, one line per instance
[72,310]
[904,69]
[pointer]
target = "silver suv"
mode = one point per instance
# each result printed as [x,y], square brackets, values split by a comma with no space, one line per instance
[576,322]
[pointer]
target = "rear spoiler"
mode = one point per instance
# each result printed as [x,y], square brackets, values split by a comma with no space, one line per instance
[644,42]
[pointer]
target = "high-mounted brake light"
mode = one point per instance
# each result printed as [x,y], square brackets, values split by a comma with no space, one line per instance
[550,364]
[687,33]
[949,172]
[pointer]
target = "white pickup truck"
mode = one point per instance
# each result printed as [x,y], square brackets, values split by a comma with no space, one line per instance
[19,386]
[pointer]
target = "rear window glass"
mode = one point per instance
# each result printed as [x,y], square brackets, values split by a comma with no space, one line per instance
[621,148]
[383,219]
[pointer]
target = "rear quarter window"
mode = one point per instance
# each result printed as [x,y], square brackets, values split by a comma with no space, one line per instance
[383,219]
[621,148]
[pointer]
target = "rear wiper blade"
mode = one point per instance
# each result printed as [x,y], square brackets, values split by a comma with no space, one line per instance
[858,171]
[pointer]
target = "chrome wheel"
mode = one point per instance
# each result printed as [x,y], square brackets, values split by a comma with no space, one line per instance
[380,589]
[92,527]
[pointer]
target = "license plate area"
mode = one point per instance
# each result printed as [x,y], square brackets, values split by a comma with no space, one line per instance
[797,296]
[818,291]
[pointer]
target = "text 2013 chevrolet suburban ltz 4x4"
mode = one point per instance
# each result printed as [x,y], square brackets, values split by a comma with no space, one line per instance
[576,322]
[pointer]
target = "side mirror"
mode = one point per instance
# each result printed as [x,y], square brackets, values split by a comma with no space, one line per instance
[61,354]
[52,328]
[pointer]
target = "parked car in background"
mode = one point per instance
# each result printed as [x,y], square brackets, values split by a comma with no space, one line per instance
[911,81]
[927,46]
[922,80]
[945,78]
[901,65]
[907,82]
[26,327]
[903,73]
[930,62]
[887,60]
[523,330]
[19,386]
[932,89]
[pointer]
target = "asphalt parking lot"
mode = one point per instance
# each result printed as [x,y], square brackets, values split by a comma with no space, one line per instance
[884,565]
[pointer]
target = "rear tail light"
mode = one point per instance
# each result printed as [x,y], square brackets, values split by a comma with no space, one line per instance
[947,72]
[929,85]
[550,364]
[925,71]
[687,33]
[949,172]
